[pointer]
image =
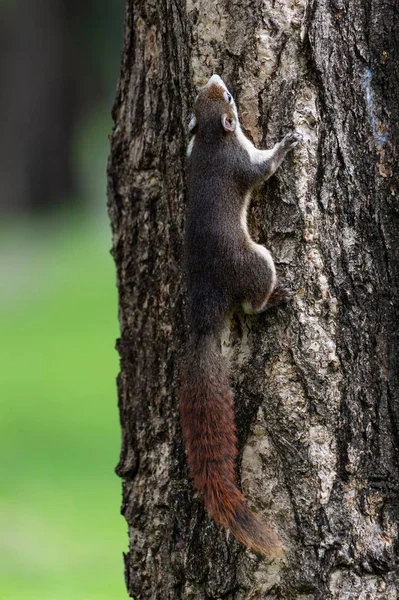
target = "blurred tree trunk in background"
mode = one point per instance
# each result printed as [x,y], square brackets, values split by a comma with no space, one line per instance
[38,95]
[57,65]
[316,384]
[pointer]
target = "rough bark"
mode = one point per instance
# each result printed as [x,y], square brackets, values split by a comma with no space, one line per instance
[316,384]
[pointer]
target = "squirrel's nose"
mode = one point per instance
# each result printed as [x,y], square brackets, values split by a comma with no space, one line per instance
[216,79]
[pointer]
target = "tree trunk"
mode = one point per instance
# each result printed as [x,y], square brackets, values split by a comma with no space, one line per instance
[316,383]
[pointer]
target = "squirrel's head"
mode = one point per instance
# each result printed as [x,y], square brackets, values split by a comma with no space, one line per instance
[214,109]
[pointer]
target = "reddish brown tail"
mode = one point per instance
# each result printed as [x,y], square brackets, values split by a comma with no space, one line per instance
[207,417]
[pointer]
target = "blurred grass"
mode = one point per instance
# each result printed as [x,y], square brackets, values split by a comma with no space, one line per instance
[61,533]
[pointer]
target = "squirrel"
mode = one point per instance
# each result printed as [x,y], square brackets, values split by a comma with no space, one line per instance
[225,268]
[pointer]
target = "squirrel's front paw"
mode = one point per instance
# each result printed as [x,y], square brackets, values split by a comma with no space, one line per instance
[292,139]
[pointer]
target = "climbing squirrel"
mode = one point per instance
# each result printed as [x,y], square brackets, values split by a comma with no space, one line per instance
[225,268]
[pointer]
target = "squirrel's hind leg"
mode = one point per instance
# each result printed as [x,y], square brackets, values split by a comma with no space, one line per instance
[258,279]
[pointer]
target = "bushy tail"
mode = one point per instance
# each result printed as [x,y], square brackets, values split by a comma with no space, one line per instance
[207,417]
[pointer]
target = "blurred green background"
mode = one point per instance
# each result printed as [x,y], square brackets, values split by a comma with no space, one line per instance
[61,535]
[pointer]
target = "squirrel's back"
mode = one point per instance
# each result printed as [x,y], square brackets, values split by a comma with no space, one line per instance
[224,267]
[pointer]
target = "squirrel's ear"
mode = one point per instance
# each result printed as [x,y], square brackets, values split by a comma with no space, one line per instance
[229,123]
[192,124]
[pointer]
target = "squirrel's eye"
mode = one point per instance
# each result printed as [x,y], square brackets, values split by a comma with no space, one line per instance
[227,96]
